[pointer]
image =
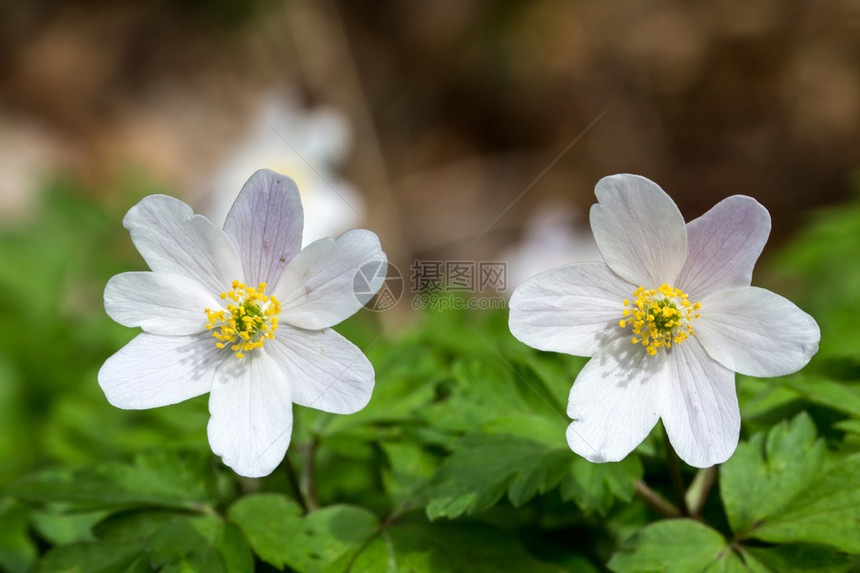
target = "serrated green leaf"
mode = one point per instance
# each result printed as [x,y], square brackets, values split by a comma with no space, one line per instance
[770,469]
[491,387]
[675,546]
[549,430]
[802,492]
[420,547]
[797,558]
[155,540]
[268,522]
[165,479]
[595,487]
[828,511]
[205,543]
[325,540]
[485,466]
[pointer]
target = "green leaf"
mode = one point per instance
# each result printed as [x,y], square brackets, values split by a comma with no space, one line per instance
[485,466]
[675,546]
[420,547]
[58,526]
[93,557]
[325,540]
[17,550]
[155,540]
[771,470]
[802,492]
[828,511]
[798,558]
[595,487]
[494,386]
[842,396]
[204,542]
[165,479]
[410,467]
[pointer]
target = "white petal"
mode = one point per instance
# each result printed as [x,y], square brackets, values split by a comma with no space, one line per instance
[266,225]
[160,303]
[700,406]
[723,246]
[153,371]
[572,308]
[614,401]
[252,418]
[756,332]
[325,370]
[639,230]
[172,239]
[330,280]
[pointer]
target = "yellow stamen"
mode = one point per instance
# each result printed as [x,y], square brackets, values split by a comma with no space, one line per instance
[659,317]
[245,325]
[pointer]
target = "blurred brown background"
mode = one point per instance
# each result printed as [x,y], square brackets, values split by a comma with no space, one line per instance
[456,108]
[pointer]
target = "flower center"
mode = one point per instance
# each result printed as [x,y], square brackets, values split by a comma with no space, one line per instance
[659,318]
[250,318]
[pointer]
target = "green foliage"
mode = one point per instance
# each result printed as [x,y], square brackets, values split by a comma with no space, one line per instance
[158,479]
[784,487]
[444,547]
[675,546]
[458,463]
[684,545]
[17,550]
[484,467]
[326,540]
[155,540]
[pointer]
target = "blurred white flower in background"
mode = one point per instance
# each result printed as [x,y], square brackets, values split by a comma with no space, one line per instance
[29,154]
[555,235]
[308,145]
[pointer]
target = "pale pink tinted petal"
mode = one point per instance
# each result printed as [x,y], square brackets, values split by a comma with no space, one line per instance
[172,239]
[159,303]
[266,225]
[322,285]
[152,371]
[639,230]
[723,246]
[756,332]
[700,406]
[573,308]
[614,401]
[325,370]
[252,418]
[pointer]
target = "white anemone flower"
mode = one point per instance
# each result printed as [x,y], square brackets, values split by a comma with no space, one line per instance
[243,313]
[667,318]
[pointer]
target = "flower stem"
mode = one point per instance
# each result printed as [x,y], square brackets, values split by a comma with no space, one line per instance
[308,477]
[655,501]
[697,494]
[675,474]
[294,483]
